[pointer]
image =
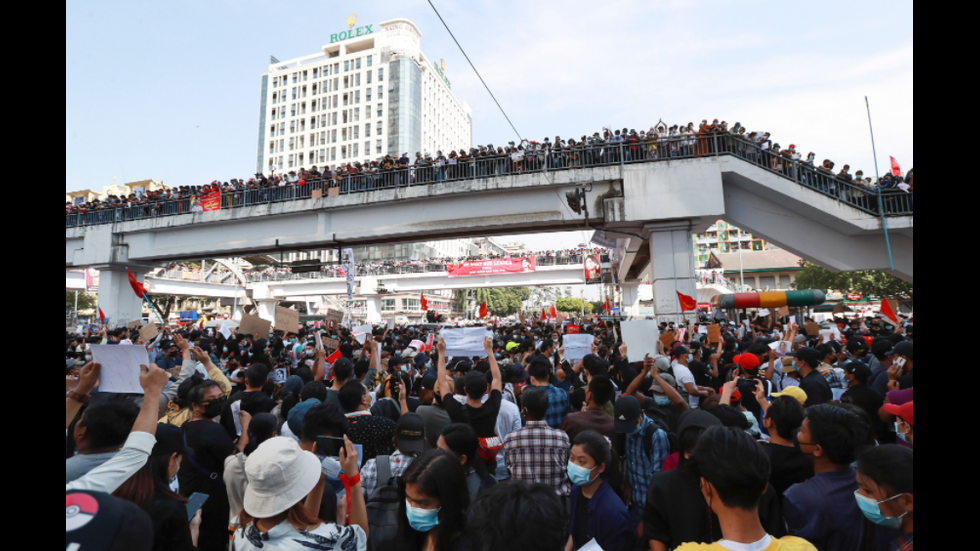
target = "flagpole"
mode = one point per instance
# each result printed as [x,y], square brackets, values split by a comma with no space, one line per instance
[881,206]
[152,307]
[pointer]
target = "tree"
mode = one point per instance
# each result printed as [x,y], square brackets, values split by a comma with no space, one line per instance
[871,283]
[85,301]
[501,302]
[573,306]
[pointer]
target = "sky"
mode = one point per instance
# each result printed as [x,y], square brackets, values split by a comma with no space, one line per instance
[170,91]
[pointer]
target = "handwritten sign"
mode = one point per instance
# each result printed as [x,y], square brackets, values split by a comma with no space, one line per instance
[813,329]
[714,334]
[783,312]
[578,346]
[335,316]
[120,373]
[331,344]
[149,332]
[668,338]
[464,343]
[287,320]
[255,326]
[135,324]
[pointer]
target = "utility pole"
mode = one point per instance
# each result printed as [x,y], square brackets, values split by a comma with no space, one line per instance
[741,266]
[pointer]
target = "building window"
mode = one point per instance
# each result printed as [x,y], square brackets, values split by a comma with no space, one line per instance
[357,79]
[346,99]
[343,152]
[379,145]
[367,95]
[370,58]
[411,304]
[381,75]
[369,75]
[346,66]
[357,114]
[333,153]
[357,63]
[367,133]
[380,109]
[355,145]
[357,96]
[381,92]
[379,128]
[346,83]
[388,304]
[357,132]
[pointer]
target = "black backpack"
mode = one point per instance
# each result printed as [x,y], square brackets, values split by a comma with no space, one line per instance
[382,508]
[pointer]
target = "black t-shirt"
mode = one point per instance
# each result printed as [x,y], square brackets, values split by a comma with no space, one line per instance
[171,527]
[864,397]
[211,445]
[789,467]
[702,377]
[580,531]
[253,403]
[483,420]
[817,389]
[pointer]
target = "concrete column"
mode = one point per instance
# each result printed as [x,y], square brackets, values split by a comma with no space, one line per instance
[373,308]
[266,309]
[237,312]
[671,267]
[117,299]
[631,299]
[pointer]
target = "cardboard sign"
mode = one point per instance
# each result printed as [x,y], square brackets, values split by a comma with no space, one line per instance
[333,192]
[335,316]
[331,344]
[255,326]
[813,329]
[317,194]
[135,324]
[668,338]
[839,308]
[149,332]
[714,334]
[783,312]
[287,320]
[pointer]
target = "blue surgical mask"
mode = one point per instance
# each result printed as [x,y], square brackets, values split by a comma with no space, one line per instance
[662,401]
[690,358]
[422,520]
[794,366]
[872,511]
[225,350]
[580,476]
[898,431]
[637,430]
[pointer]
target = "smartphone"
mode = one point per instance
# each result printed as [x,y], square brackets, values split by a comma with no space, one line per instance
[194,505]
[329,447]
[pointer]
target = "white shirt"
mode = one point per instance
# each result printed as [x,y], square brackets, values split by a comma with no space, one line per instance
[683,376]
[757,546]
[284,537]
[113,473]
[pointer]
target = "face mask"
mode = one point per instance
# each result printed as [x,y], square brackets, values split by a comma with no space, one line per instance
[580,476]
[214,408]
[422,520]
[690,358]
[898,431]
[637,430]
[225,350]
[662,401]
[872,511]
[794,366]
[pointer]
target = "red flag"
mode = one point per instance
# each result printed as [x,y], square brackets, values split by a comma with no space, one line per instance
[574,329]
[554,312]
[687,303]
[606,306]
[332,359]
[888,312]
[425,303]
[483,310]
[429,342]
[101,317]
[137,286]
[544,315]
[342,274]
[896,170]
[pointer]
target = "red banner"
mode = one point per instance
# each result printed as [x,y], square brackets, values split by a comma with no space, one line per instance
[574,330]
[211,201]
[492,267]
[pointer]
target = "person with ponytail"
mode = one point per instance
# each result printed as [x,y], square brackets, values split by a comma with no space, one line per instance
[263,427]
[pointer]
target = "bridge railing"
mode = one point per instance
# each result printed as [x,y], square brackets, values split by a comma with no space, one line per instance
[866,199]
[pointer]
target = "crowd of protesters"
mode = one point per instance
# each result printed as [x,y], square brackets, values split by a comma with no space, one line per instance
[609,147]
[381,441]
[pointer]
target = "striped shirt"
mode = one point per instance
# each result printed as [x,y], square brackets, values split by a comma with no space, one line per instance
[642,466]
[539,454]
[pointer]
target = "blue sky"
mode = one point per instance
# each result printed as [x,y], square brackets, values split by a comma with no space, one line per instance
[170,91]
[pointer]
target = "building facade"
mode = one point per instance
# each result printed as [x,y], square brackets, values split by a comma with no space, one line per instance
[723,238]
[370,92]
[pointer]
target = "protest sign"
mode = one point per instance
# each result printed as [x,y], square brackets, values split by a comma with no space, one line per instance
[668,338]
[781,348]
[641,338]
[714,334]
[224,330]
[254,325]
[783,312]
[287,320]
[574,329]
[813,329]
[361,333]
[703,330]
[317,194]
[135,324]
[839,308]
[279,377]
[391,323]
[577,347]
[120,373]
[464,342]
[335,316]
[149,332]
[331,344]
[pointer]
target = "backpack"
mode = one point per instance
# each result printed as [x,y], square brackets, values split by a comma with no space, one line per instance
[662,421]
[382,508]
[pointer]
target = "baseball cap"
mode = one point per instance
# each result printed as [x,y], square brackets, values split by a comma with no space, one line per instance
[667,379]
[297,416]
[513,346]
[519,375]
[902,349]
[99,522]
[793,392]
[626,413]
[808,355]
[421,360]
[429,382]
[410,434]
[70,363]
[170,440]
[883,347]
[748,361]
[800,339]
[904,411]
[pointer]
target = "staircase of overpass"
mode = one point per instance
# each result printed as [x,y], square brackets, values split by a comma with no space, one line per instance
[651,202]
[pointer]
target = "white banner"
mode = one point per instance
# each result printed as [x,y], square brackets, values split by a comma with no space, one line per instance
[347,260]
[464,343]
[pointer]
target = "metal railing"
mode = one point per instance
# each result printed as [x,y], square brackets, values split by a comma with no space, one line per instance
[863,198]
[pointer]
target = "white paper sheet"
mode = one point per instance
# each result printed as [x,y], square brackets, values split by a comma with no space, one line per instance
[464,343]
[361,333]
[224,330]
[641,337]
[120,373]
[578,347]
[591,546]
[236,412]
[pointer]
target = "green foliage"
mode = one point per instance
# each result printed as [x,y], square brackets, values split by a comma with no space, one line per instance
[573,306]
[85,301]
[501,302]
[873,283]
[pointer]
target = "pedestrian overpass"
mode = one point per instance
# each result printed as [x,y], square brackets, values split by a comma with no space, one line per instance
[652,205]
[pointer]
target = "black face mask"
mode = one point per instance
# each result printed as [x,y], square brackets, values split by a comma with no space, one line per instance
[214,408]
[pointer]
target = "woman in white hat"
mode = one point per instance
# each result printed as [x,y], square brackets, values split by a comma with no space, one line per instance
[280,475]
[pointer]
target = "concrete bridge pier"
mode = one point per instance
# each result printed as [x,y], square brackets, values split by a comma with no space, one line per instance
[671,266]
[630,299]
[117,299]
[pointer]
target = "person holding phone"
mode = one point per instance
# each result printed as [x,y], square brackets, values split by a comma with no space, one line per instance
[151,488]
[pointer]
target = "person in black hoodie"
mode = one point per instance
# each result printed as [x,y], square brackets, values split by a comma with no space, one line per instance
[676,512]
[253,400]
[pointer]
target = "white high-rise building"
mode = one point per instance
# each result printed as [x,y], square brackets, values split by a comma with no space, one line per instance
[370,92]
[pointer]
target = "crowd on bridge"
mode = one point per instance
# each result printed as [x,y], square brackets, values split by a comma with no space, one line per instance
[729,436]
[608,147]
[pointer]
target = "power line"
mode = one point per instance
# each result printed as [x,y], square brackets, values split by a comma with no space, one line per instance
[519,137]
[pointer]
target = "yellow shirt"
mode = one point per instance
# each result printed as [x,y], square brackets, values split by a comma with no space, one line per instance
[785,544]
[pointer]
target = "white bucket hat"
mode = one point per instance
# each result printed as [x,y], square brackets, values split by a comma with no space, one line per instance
[280,475]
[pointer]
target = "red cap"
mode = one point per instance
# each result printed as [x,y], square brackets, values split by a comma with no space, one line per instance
[736,396]
[748,361]
[904,411]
